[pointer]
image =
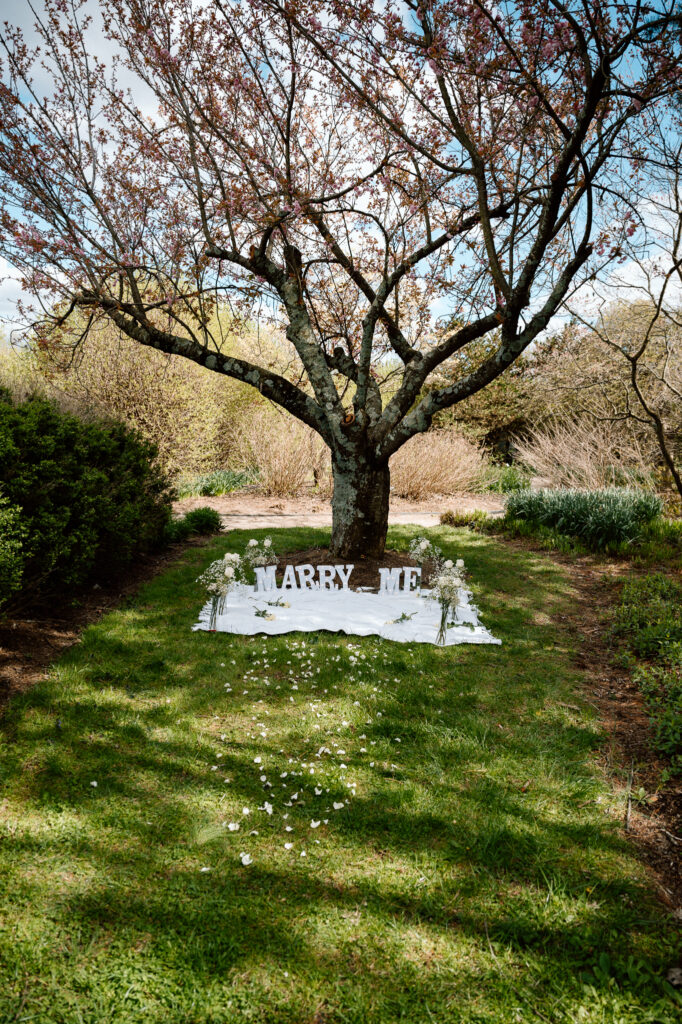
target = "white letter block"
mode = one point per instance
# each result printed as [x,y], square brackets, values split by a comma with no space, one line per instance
[326,574]
[265,578]
[412,573]
[289,579]
[306,575]
[343,573]
[389,580]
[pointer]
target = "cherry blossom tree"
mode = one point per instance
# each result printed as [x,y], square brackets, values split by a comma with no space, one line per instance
[389,179]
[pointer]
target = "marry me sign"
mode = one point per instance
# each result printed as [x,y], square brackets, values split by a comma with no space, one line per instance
[251,593]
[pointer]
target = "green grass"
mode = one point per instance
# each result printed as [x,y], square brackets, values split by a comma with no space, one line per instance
[475,873]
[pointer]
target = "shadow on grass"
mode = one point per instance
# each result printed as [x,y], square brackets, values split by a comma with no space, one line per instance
[483,826]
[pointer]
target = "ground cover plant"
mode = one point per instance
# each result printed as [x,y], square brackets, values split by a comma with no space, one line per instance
[315,828]
[599,518]
[649,623]
[209,485]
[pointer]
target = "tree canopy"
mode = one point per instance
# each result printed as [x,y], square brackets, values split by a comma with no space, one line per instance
[380,178]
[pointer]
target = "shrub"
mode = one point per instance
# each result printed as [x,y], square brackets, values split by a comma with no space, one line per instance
[210,485]
[197,521]
[599,518]
[90,494]
[288,456]
[12,535]
[475,519]
[585,454]
[507,480]
[438,462]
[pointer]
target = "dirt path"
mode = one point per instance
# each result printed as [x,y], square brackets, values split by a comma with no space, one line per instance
[245,510]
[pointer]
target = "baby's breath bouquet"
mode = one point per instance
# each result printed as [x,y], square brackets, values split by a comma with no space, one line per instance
[219,579]
[445,587]
[258,553]
[424,550]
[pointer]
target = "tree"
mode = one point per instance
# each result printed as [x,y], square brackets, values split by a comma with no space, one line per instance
[637,316]
[394,178]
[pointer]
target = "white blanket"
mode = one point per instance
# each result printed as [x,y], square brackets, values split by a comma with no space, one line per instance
[356,612]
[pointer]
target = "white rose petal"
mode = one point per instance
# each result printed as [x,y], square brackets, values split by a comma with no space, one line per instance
[94,785]
[246,859]
[233,826]
[202,870]
[314,824]
[337,806]
[288,846]
[245,810]
[257,760]
[267,807]
[253,543]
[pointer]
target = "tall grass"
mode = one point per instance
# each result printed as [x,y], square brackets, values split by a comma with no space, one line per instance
[585,454]
[439,462]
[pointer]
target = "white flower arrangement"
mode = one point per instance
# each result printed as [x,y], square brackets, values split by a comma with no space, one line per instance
[445,588]
[219,578]
[259,553]
[424,550]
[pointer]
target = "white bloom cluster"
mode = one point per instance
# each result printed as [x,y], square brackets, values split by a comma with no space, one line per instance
[445,588]
[259,553]
[424,550]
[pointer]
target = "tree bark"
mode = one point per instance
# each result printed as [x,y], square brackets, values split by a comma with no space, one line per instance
[359,506]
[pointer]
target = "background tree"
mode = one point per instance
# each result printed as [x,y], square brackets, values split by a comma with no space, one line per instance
[395,178]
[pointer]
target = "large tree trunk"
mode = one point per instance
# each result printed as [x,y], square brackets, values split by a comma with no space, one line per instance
[359,507]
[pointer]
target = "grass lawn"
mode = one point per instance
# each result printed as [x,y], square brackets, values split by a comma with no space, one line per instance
[428,834]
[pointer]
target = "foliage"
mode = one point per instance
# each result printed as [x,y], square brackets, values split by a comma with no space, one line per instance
[649,622]
[650,614]
[507,479]
[91,496]
[12,536]
[198,521]
[585,453]
[437,462]
[598,518]
[189,414]
[220,481]
[288,457]
[475,867]
[474,518]
[344,217]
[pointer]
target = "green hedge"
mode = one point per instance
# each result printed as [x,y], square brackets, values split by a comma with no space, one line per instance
[90,495]
[599,518]
[12,536]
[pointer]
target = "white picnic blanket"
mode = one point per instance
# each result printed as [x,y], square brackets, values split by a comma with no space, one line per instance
[355,612]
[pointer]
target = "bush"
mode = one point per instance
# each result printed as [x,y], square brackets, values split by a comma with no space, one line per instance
[90,494]
[210,485]
[287,455]
[585,454]
[438,462]
[475,519]
[599,518]
[12,535]
[507,480]
[198,521]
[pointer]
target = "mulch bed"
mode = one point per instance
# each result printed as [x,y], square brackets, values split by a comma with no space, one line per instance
[365,572]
